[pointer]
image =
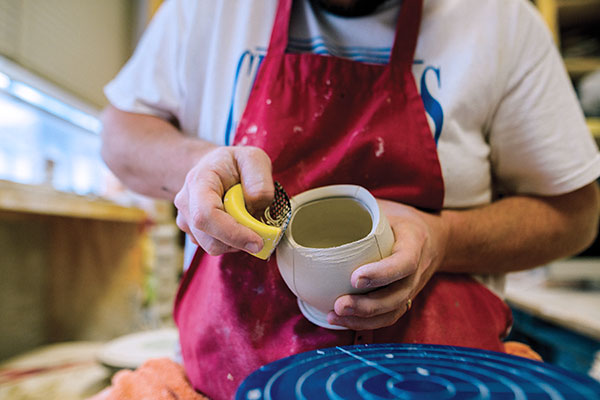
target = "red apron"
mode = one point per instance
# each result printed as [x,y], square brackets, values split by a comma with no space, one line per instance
[325,120]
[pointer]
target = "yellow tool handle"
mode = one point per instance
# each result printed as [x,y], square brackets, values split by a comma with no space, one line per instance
[236,207]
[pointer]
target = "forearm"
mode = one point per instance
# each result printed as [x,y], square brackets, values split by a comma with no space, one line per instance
[148,154]
[514,233]
[520,232]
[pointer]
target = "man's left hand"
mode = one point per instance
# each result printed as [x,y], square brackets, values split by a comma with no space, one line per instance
[419,247]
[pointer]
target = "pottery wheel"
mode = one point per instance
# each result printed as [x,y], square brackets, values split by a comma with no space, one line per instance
[409,371]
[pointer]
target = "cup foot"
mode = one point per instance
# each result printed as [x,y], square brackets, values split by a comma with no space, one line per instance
[317,317]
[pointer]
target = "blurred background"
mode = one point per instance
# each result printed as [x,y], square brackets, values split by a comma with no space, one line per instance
[89,270]
[81,257]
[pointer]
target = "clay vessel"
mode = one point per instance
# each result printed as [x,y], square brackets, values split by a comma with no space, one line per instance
[333,230]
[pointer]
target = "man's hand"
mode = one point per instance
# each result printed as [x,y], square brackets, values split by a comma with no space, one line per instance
[152,157]
[200,201]
[511,234]
[419,247]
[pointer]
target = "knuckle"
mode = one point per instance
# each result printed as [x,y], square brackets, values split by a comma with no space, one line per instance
[253,156]
[260,191]
[369,310]
[398,312]
[391,320]
[220,156]
[413,265]
[354,326]
[343,302]
[350,323]
[411,270]
[260,195]
[201,219]
[220,152]
[401,269]
[211,251]
[181,224]
[212,247]
[206,222]
[254,152]
[367,307]
[399,307]
[395,315]
[179,200]
[261,155]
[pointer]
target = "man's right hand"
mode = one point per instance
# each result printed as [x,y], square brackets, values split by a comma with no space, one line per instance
[199,203]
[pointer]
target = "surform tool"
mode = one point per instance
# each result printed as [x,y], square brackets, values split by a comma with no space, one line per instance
[272,223]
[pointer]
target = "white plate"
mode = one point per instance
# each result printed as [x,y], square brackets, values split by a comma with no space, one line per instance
[133,350]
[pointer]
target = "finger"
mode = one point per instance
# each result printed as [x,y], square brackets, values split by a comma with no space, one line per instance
[256,176]
[201,216]
[208,216]
[212,246]
[181,221]
[386,271]
[200,202]
[209,244]
[404,260]
[182,224]
[224,228]
[377,302]
[360,324]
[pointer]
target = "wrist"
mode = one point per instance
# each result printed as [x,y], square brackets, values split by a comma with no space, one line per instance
[448,221]
[443,236]
[193,151]
[182,156]
[438,233]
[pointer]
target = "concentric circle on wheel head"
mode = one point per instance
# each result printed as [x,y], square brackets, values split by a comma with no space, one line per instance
[413,371]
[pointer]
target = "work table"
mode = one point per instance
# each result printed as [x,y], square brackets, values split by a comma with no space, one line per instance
[571,306]
[558,314]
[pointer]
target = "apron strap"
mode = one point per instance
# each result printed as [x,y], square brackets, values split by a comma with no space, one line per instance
[279,34]
[407,32]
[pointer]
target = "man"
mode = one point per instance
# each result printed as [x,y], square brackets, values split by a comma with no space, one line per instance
[457,115]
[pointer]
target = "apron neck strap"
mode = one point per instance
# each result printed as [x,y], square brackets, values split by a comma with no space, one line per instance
[279,35]
[407,32]
[405,40]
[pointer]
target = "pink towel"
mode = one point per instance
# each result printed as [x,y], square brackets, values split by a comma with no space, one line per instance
[521,350]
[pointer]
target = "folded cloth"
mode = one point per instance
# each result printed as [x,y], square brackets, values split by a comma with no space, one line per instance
[521,350]
[156,379]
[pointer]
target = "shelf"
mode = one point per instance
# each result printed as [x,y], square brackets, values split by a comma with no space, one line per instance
[578,11]
[579,66]
[593,124]
[35,199]
[560,14]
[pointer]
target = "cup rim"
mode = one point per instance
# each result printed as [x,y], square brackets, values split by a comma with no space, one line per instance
[355,192]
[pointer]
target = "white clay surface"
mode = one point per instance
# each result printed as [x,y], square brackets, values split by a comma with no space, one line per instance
[330,223]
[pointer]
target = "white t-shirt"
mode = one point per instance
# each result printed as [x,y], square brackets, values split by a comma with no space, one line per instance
[492,82]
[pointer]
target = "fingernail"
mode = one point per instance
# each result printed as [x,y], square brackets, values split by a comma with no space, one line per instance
[362,283]
[252,247]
